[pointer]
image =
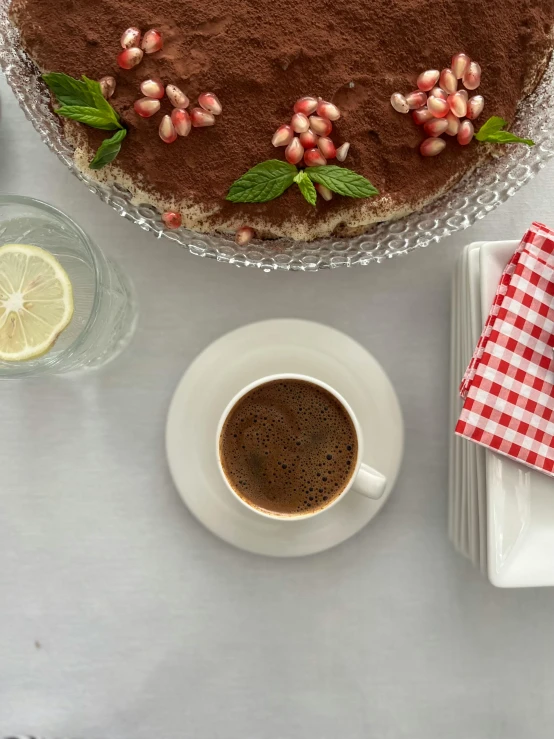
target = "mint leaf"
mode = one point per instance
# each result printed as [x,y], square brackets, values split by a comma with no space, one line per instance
[492,131]
[89,116]
[82,101]
[108,150]
[265,181]
[505,137]
[100,101]
[342,181]
[493,125]
[306,187]
[68,90]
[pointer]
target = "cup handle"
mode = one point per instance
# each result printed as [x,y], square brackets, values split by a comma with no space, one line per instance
[369,482]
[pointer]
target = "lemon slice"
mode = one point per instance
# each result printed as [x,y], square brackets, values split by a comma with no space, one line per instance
[36,301]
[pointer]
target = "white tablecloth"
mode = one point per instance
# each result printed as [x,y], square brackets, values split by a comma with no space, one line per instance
[121,617]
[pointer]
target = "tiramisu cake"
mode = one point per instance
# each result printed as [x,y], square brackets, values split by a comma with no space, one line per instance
[393,92]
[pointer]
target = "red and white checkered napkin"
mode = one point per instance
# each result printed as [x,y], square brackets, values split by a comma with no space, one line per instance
[509,384]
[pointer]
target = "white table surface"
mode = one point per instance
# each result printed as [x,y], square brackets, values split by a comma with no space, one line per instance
[121,617]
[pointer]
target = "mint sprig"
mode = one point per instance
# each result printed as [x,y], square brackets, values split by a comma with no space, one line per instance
[82,101]
[492,131]
[268,180]
[108,150]
[306,187]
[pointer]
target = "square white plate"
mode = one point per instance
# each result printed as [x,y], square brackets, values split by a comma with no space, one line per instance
[464,519]
[469,448]
[476,453]
[454,374]
[460,534]
[520,501]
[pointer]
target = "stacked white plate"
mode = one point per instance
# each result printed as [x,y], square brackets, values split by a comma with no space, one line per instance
[501,513]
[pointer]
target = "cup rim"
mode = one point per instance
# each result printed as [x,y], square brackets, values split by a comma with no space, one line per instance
[95,255]
[314,381]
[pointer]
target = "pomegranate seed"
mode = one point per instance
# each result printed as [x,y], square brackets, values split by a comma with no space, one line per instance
[152,41]
[448,81]
[438,92]
[201,118]
[399,103]
[130,37]
[457,104]
[107,86]
[438,107]
[306,105]
[172,219]
[300,123]
[460,62]
[321,126]
[436,127]
[152,89]
[181,120]
[465,134]
[177,97]
[453,124]
[129,58]
[314,158]
[325,193]
[327,148]
[294,151]
[475,107]
[282,136]
[146,107]
[328,110]
[210,102]
[421,115]
[416,99]
[432,147]
[342,151]
[167,130]
[244,235]
[464,94]
[472,76]
[308,139]
[428,79]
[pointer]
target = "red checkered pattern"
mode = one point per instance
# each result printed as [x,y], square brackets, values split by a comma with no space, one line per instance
[509,384]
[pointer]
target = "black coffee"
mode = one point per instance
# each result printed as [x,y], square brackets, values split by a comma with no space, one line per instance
[288,447]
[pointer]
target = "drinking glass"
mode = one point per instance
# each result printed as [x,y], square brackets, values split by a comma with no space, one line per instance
[105,309]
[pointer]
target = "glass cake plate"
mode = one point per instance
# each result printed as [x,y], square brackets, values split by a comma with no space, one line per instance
[471,199]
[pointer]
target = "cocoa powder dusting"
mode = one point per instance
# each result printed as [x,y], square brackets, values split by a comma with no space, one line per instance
[259,56]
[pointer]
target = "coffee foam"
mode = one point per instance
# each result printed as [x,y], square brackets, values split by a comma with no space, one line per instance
[288,447]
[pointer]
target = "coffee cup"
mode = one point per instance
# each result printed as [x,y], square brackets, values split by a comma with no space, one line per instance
[362,480]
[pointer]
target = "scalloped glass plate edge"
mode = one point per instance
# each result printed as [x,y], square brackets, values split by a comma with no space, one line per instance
[470,200]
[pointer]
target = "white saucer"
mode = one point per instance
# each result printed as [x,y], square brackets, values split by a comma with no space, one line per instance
[241,357]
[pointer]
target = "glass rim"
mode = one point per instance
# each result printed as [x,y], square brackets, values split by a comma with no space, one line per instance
[93,251]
